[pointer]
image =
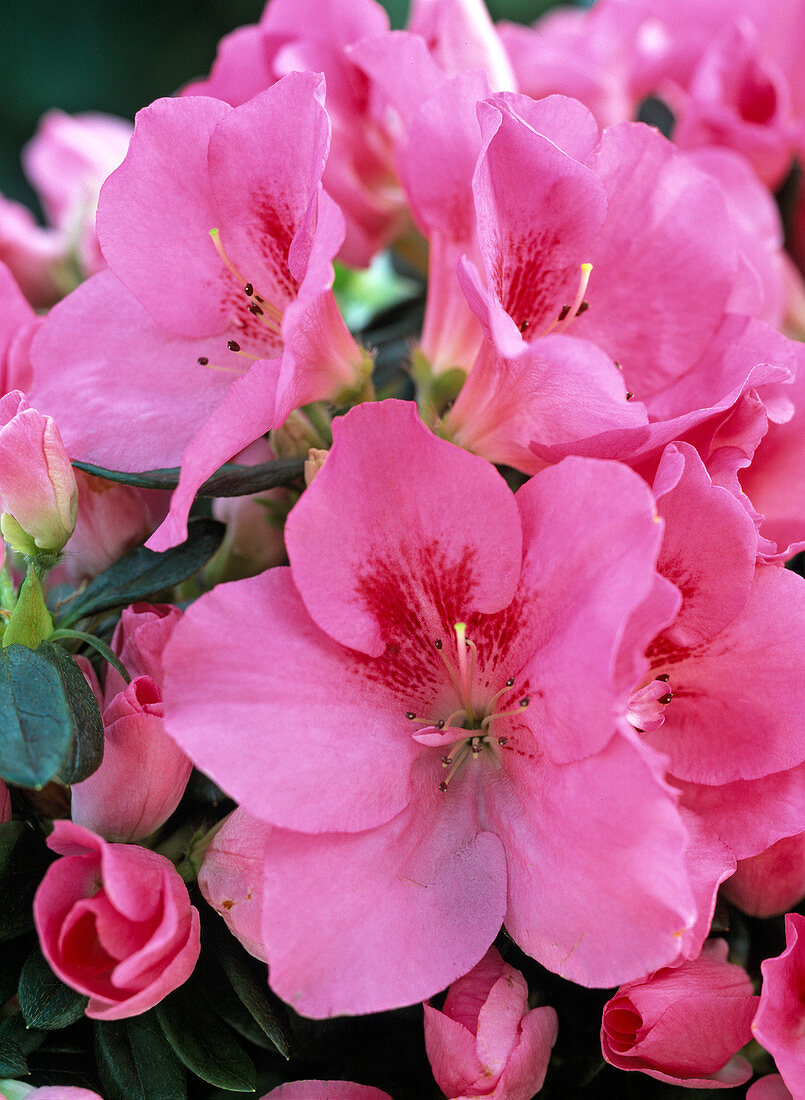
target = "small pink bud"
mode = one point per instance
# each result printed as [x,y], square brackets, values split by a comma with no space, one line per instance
[684,1024]
[115,923]
[138,640]
[38,494]
[485,1042]
[143,774]
[231,877]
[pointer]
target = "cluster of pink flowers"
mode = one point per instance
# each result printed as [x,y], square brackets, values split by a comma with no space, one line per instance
[510,689]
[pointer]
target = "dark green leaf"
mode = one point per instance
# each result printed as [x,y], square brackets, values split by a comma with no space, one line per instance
[22,863]
[28,1039]
[252,993]
[46,1002]
[12,1060]
[231,480]
[136,1062]
[142,573]
[35,717]
[86,751]
[200,1039]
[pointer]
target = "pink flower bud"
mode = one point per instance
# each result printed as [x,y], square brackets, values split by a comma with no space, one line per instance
[485,1042]
[143,773]
[38,495]
[780,1021]
[231,877]
[138,640]
[111,519]
[685,1024]
[772,882]
[115,923]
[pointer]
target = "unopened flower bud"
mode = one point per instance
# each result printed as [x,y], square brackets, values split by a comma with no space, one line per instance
[38,495]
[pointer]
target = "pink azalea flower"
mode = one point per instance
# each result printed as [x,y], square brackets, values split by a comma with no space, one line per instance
[315,35]
[115,923]
[684,1024]
[771,882]
[778,1025]
[18,323]
[254,331]
[461,36]
[455,679]
[484,1042]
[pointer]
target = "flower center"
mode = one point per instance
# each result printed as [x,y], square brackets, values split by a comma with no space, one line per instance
[646,710]
[471,715]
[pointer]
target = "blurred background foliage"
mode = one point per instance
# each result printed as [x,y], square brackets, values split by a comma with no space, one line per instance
[89,55]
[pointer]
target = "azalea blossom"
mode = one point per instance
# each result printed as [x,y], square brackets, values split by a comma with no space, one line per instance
[440,653]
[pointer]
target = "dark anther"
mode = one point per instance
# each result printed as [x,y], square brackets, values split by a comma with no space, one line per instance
[525,701]
[665,677]
[233,345]
[563,312]
[585,305]
[510,682]
[447,760]
[203,360]
[440,724]
[249,289]
[629,395]
[524,325]
[617,364]
[666,699]
[409,714]
[638,730]
[254,308]
[438,643]
[503,740]
[443,786]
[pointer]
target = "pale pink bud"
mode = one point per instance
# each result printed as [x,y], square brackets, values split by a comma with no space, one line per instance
[684,1024]
[231,877]
[111,519]
[38,494]
[115,923]
[772,882]
[485,1042]
[143,773]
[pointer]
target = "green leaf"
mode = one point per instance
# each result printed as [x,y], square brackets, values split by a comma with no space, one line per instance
[231,480]
[142,573]
[12,1060]
[35,717]
[86,751]
[136,1062]
[252,993]
[23,858]
[45,1000]
[13,954]
[208,1048]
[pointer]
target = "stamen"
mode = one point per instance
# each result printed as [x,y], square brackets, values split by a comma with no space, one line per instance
[219,248]
[509,684]
[274,322]
[506,713]
[568,314]
[578,301]
[451,671]
[666,699]
[458,760]
[234,346]
[665,677]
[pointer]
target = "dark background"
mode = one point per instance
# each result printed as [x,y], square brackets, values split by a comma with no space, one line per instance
[119,55]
